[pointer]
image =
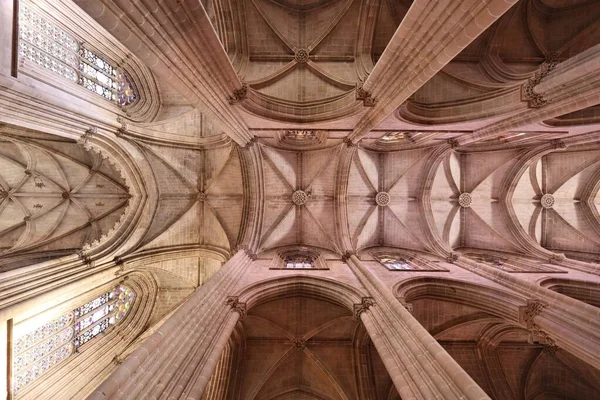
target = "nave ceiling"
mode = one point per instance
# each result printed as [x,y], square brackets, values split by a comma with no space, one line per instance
[186,192]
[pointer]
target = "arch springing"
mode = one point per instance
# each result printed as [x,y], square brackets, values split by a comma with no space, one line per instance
[46,44]
[38,350]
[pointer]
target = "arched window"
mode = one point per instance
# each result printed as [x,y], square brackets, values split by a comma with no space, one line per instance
[41,348]
[46,44]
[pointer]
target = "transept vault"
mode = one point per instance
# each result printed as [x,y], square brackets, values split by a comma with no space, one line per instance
[300,199]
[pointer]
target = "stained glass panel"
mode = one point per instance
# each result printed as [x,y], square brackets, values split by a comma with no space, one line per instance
[36,351]
[44,43]
[394,263]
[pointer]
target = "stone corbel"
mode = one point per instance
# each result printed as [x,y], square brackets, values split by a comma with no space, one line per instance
[366,97]
[558,144]
[364,305]
[238,94]
[236,306]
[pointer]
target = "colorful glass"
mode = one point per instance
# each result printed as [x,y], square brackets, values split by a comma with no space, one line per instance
[49,46]
[36,351]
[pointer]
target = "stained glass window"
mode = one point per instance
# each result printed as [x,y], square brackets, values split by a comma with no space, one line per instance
[36,351]
[49,46]
[394,263]
[298,261]
[300,135]
[398,137]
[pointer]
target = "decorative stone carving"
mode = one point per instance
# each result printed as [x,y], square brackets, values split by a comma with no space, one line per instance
[237,306]
[365,96]
[299,197]
[465,200]
[558,144]
[452,258]
[528,92]
[87,136]
[529,312]
[547,201]
[238,94]
[348,142]
[301,56]
[85,258]
[382,199]
[299,343]
[453,143]
[364,305]
[346,256]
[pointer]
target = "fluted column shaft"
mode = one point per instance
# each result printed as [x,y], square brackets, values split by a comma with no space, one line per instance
[431,34]
[573,85]
[177,361]
[569,323]
[420,368]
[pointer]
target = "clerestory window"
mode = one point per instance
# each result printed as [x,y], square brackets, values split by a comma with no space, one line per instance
[298,262]
[36,351]
[43,42]
[394,263]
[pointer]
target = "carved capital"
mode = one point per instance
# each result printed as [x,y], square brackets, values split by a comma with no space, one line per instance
[236,306]
[365,96]
[251,142]
[556,259]
[452,258]
[250,254]
[558,144]
[528,92]
[364,305]
[348,142]
[529,312]
[346,256]
[238,94]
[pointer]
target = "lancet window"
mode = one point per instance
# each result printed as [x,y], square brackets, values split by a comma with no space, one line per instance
[43,42]
[36,351]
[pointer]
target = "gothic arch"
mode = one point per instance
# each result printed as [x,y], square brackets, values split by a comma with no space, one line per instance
[497,302]
[320,288]
[585,291]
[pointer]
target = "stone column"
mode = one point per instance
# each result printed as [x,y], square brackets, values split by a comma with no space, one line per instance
[6,36]
[555,319]
[417,363]
[178,360]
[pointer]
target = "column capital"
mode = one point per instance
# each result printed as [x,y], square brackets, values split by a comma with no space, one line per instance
[364,305]
[528,312]
[236,306]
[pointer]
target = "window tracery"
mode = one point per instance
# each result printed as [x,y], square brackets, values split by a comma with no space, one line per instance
[298,261]
[40,349]
[394,263]
[44,43]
